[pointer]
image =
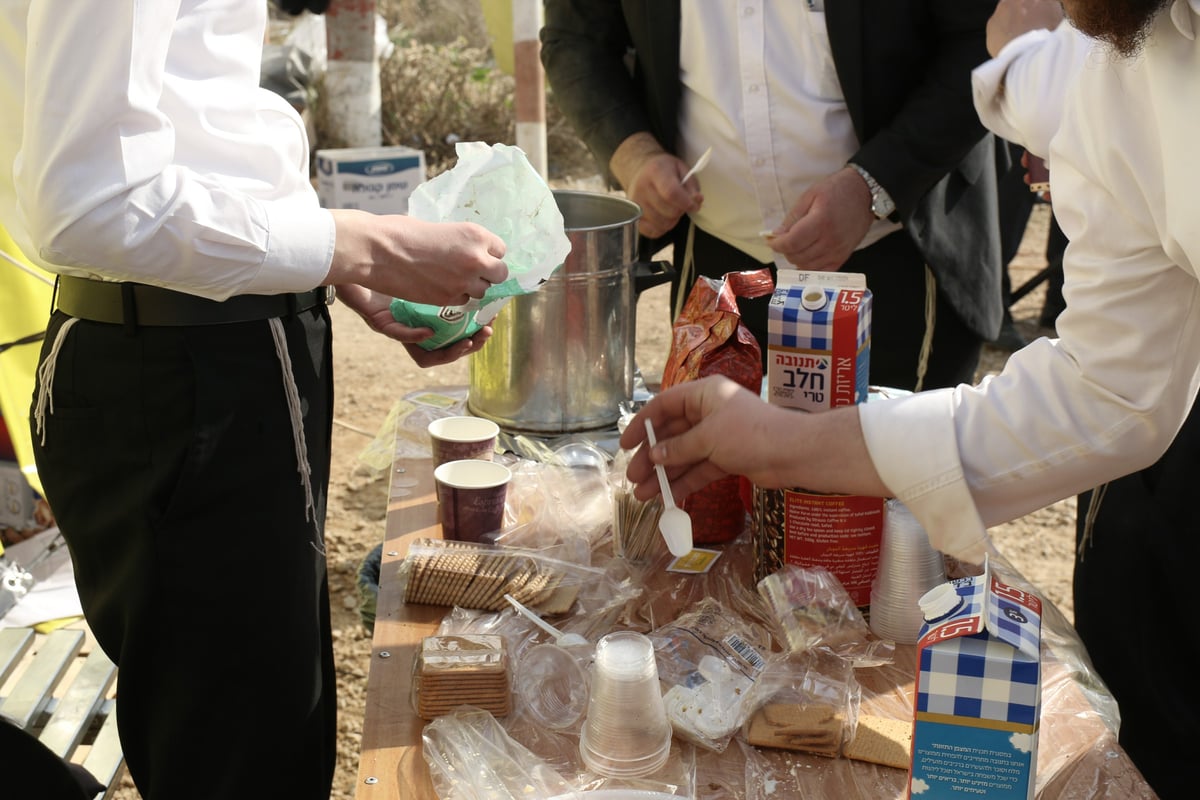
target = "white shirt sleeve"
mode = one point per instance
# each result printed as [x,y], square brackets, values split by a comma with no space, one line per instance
[1107,398]
[1019,94]
[150,154]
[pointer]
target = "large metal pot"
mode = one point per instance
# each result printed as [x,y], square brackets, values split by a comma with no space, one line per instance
[561,359]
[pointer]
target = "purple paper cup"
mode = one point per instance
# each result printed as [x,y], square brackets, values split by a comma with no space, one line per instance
[471,496]
[462,438]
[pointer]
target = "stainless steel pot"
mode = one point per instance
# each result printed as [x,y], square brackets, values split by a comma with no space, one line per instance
[561,359]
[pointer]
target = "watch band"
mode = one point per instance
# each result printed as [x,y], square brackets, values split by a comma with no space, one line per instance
[882,204]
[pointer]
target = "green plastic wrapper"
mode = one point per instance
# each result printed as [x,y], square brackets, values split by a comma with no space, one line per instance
[494,186]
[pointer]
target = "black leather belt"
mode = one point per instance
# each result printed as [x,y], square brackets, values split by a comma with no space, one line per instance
[135,304]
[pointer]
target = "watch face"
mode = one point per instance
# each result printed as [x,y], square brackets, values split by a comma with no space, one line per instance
[882,206]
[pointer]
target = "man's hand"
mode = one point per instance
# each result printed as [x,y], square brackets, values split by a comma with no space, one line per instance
[439,263]
[826,224]
[375,310]
[1015,17]
[650,176]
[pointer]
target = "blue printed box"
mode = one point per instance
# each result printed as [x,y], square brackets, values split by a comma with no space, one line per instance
[979,696]
[376,179]
[818,340]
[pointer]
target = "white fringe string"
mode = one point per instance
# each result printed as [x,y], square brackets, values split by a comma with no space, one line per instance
[45,371]
[294,412]
[930,325]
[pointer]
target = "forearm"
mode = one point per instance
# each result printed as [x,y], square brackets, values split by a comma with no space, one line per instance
[631,154]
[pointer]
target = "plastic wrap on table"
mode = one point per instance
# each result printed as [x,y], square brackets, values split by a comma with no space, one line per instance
[472,575]
[708,659]
[404,432]
[470,756]
[813,609]
[552,501]
[708,338]
[807,702]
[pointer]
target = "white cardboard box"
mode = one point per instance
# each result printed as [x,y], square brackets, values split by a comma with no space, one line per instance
[376,179]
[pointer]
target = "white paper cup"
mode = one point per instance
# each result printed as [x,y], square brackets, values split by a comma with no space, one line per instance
[626,733]
[471,496]
[461,438]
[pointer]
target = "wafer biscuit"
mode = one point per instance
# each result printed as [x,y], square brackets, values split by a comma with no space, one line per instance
[881,740]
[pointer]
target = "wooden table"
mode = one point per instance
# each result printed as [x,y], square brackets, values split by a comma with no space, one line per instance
[1078,757]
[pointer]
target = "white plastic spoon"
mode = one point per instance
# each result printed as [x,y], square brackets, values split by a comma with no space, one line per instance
[700,164]
[561,639]
[675,524]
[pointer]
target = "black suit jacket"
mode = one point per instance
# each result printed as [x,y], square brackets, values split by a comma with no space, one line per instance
[904,67]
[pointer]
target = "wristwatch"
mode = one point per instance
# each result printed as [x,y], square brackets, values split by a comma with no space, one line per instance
[882,205]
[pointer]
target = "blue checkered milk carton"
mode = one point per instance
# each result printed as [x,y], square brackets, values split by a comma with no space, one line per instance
[818,340]
[978,694]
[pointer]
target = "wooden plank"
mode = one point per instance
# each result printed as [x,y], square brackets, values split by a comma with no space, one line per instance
[106,760]
[33,690]
[14,643]
[391,766]
[78,707]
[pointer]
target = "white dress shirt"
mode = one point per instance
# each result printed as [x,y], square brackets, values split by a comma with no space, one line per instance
[760,88]
[150,154]
[1107,397]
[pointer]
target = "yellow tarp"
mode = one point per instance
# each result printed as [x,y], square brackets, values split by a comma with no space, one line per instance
[24,310]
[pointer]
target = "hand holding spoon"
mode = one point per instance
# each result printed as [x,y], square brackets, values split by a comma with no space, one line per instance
[700,164]
[675,524]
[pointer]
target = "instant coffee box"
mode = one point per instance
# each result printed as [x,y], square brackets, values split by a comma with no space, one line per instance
[818,355]
[978,694]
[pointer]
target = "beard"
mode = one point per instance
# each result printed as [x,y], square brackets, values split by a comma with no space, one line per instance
[1121,24]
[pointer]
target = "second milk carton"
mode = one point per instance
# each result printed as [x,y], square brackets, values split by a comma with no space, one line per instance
[978,695]
[818,354]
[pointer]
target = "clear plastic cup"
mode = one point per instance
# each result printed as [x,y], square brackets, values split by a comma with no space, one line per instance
[552,686]
[626,734]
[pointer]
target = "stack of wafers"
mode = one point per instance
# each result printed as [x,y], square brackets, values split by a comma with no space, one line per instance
[467,575]
[811,728]
[465,669]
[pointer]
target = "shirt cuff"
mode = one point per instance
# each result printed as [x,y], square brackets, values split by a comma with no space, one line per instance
[987,86]
[299,249]
[913,445]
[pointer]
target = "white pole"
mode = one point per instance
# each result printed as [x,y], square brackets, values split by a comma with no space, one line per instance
[530,82]
[352,94]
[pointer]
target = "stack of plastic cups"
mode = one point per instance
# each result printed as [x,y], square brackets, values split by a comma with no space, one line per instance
[908,568]
[626,734]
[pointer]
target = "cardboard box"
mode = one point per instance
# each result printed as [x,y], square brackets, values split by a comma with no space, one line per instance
[376,179]
[818,340]
[978,696]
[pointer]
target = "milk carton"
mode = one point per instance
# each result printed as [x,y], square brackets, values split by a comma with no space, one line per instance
[818,340]
[376,179]
[978,694]
[818,353]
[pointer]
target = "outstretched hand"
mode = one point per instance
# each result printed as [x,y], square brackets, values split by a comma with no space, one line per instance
[375,309]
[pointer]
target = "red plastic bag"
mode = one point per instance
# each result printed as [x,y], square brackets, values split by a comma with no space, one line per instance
[708,338]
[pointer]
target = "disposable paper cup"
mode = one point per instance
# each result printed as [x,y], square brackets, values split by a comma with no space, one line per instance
[461,438]
[626,734]
[471,497]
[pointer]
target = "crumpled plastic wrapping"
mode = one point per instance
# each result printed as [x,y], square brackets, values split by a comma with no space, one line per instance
[494,186]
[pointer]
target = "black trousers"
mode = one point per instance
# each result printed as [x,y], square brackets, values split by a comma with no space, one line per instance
[895,272]
[1135,604]
[170,465]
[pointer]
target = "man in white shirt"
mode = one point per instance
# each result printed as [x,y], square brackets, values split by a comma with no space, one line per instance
[842,137]
[1103,400]
[183,414]
[1136,534]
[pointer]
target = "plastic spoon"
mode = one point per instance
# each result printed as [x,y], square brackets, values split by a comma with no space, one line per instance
[700,164]
[561,639]
[675,524]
